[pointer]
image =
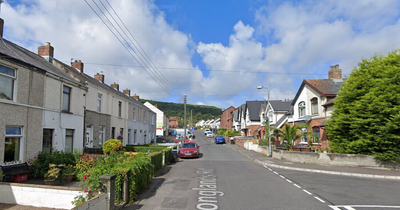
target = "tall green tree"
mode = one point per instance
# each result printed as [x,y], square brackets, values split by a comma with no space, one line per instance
[366,119]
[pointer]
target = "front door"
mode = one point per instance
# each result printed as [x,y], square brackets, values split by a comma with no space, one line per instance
[47,140]
[89,137]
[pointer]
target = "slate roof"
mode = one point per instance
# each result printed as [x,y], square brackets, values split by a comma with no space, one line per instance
[281,105]
[19,55]
[325,87]
[254,109]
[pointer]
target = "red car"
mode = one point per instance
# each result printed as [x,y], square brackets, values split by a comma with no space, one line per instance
[180,139]
[189,149]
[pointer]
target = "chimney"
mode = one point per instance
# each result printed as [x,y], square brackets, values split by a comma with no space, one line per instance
[115,86]
[77,65]
[99,77]
[335,73]
[127,92]
[1,27]
[135,97]
[46,50]
[155,105]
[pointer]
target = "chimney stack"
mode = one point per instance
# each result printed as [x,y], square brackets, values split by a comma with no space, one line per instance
[46,50]
[1,27]
[335,73]
[135,97]
[77,65]
[155,105]
[115,86]
[99,77]
[127,92]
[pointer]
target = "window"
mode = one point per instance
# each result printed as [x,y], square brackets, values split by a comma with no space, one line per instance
[129,136]
[314,106]
[113,132]
[66,98]
[69,140]
[119,109]
[303,135]
[134,113]
[101,136]
[47,140]
[316,138]
[134,136]
[302,109]
[12,149]
[144,116]
[7,79]
[99,102]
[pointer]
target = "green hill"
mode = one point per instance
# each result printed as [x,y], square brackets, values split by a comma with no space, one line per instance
[200,112]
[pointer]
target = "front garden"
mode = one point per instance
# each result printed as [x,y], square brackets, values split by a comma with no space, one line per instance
[137,164]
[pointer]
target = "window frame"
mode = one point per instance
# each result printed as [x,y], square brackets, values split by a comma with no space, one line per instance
[314,106]
[72,140]
[12,77]
[68,103]
[317,131]
[19,147]
[302,108]
[119,108]
[99,100]
[134,113]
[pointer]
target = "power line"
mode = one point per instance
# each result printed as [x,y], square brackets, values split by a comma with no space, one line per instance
[216,70]
[127,44]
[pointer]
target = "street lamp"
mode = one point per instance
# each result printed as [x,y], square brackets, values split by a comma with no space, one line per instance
[267,119]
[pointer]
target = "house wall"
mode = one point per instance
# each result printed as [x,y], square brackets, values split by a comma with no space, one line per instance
[25,111]
[95,120]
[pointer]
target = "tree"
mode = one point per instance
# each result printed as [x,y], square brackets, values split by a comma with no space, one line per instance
[366,119]
[289,134]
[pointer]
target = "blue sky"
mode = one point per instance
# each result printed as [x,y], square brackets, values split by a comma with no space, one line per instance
[215,52]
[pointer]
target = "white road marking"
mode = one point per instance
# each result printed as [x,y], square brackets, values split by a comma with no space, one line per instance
[275,172]
[288,181]
[282,176]
[297,186]
[307,192]
[322,201]
[352,207]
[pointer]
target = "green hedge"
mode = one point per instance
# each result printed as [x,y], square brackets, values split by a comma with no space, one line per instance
[152,149]
[40,164]
[137,168]
[156,160]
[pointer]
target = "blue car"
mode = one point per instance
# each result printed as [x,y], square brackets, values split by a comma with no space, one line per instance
[220,139]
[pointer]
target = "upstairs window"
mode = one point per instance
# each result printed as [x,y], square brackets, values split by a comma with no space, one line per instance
[134,113]
[7,80]
[99,97]
[66,99]
[302,109]
[144,116]
[314,106]
[119,108]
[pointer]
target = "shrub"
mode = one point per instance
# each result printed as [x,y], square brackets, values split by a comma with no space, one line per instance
[112,145]
[40,164]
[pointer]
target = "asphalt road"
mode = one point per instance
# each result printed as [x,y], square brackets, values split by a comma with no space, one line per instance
[223,179]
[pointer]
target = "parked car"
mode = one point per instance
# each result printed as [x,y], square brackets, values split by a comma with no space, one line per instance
[179,139]
[191,135]
[206,131]
[159,138]
[220,139]
[210,134]
[189,149]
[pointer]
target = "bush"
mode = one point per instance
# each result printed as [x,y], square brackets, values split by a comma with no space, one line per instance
[112,145]
[136,167]
[40,164]
[263,142]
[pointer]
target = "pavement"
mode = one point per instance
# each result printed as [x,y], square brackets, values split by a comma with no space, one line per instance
[376,173]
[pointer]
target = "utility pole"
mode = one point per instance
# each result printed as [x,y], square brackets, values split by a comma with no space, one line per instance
[184,118]
[191,119]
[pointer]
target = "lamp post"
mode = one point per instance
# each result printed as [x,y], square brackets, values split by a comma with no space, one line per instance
[267,119]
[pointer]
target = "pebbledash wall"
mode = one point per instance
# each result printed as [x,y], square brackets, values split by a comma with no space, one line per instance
[39,196]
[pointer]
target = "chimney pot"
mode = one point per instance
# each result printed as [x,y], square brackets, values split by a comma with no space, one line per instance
[46,50]
[99,77]
[335,72]
[77,65]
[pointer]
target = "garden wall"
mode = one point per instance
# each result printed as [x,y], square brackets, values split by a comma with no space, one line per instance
[333,159]
[38,195]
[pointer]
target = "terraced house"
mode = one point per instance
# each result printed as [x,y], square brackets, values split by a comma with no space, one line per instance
[47,105]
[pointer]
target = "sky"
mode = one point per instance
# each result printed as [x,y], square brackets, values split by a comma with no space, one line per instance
[214,52]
